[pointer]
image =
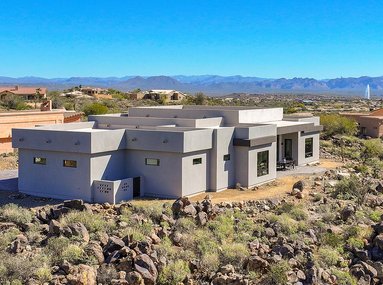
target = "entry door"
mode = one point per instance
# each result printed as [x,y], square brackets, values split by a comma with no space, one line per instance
[289,149]
[136,187]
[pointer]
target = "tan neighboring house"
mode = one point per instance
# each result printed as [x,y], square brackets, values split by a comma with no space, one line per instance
[370,124]
[32,118]
[27,93]
[99,93]
[169,95]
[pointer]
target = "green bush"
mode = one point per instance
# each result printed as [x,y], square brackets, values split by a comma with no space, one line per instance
[328,256]
[234,253]
[15,214]
[43,275]
[344,278]
[334,124]
[331,239]
[278,273]
[348,188]
[60,248]
[93,222]
[95,109]
[222,226]
[173,273]
[372,148]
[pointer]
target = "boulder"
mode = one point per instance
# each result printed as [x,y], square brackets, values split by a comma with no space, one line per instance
[134,278]
[145,266]
[347,212]
[368,269]
[299,185]
[114,243]
[378,241]
[227,269]
[75,204]
[19,244]
[82,275]
[79,230]
[55,228]
[257,264]
[95,249]
[202,218]
[189,211]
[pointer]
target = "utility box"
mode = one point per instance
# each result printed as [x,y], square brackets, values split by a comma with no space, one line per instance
[112,191]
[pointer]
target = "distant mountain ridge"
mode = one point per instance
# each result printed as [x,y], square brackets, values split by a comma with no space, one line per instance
[210,84]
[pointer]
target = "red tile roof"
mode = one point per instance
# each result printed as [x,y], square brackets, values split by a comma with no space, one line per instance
[19,90]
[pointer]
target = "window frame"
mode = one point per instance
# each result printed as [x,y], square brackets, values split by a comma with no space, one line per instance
[152,161]
[265,170]
[310,142]
[197,160]
[226,157]
[70,163]
[39,160]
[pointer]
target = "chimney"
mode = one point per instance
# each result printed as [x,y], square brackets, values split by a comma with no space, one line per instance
[16,87]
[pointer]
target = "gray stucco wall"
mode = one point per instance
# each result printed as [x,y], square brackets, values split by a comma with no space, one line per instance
[53,180]
[158,181]
[195,177]
[301,149]
[222,172]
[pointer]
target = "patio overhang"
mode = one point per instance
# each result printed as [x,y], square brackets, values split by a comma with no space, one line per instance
[306,128]
[254,142]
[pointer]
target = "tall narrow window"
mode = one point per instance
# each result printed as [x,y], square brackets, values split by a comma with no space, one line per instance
[263,163]
[40,160]
[197,160]
[309,147]
[152,161]
[70,163]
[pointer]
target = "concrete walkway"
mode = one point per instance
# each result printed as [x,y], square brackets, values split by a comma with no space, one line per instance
[301,170]
[8,180]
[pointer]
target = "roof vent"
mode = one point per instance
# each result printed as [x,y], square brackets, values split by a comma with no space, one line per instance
[48,141]
[134,139]
[21,139]
[147,115]
[165,141]
[77,143]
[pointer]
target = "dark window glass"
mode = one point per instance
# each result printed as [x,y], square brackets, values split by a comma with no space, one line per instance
[40,160]
[309,147]
[152,161]
[226,157]
[197,161]
[263,163]
[70,163]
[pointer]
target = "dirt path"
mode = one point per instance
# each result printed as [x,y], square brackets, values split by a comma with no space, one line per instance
[274,189]
[8,162]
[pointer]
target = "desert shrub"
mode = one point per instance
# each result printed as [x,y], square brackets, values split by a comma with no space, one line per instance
[7,236]
[288,225]
[153,211]
[222,226]
[209,262]
[185,225]
[13,102]
[60,249]
[95,109]
[372,148]
[277,273]
[244,227]
[93,222]
[234,253]
[343,277]
[174,273]
[355,243]
[294,211]
[332,240]
[43,275]
[15,214]
[348,188]
[375,215]
[205,242]
[18,269]
[334,124]
[328,256]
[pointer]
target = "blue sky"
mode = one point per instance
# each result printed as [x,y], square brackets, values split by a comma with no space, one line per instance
[320,39]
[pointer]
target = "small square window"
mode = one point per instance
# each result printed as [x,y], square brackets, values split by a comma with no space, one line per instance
[226,157]
[40,160]
[197,161]
[70,163]
[152,161]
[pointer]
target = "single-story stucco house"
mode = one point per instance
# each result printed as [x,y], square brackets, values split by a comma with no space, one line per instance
[165,152]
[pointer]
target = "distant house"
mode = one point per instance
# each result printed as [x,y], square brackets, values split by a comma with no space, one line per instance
[27,93]
[370,124]
[31,118]
[157,94]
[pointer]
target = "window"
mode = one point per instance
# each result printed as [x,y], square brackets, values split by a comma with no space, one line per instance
[262,163]
[40,160]
[152,161]
[70,163]
[309,147]
[197,161]
[226,157]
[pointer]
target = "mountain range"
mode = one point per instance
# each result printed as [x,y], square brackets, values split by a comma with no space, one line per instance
[212,84]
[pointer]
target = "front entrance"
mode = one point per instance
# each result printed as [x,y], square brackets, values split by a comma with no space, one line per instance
[288,149]
[136,187]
